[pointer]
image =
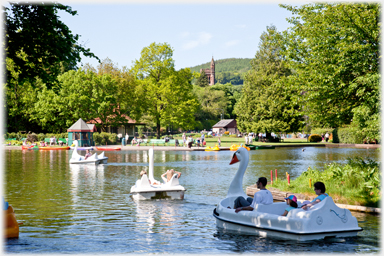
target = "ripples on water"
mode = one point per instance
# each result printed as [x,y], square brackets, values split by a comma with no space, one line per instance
[88,209]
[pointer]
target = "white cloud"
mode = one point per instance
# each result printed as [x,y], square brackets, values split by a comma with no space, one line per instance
[198,39]
[231,43]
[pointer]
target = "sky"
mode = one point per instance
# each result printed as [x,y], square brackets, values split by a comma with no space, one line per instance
[196,31]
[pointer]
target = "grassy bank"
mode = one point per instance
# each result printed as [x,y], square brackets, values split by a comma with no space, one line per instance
[356,183]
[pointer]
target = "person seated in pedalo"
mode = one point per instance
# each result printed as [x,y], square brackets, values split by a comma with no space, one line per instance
[319,188]
[145,172]
[263,196]
[170,174]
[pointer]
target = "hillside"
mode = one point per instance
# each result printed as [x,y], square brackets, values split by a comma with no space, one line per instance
[227,70]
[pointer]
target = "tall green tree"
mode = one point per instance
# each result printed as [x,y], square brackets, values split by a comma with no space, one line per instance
[166,93]
[202,80]
[48,45]
[334,50]
[38,47]
[265,105]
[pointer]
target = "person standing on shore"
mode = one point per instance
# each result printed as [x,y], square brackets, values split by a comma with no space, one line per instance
[126,138]
[326,137]
[184,139]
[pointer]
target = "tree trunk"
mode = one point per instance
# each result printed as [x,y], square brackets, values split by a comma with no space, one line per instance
[268,136]
[158,129]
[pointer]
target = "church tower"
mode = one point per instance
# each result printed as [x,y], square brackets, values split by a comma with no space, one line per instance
[212,80]
[210,72]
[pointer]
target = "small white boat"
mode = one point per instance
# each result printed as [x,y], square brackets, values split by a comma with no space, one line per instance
[144,190]
[81,148]
[94,159]
[323,220]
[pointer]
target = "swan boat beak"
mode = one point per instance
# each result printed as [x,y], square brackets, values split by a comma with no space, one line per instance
[234,159]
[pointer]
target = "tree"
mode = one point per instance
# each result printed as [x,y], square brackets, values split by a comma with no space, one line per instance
[265,105]
[202,80]
[108,96]
[39,44]
[166,94]
[334,51]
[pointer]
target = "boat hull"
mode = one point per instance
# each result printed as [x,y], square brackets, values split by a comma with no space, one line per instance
[265,147]
[227,225]
[98,161]
[53,148]
[11,224]
[26,147]
[323,220]
[107,149]
[158,194]
[82,148]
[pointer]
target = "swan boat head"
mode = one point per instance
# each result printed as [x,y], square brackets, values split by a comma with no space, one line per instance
[236,186]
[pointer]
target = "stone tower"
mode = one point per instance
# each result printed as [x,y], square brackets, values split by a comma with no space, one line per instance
[210,72]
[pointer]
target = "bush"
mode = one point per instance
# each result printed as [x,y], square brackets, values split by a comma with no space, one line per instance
[321,130]
[104,138]
[233,136]
[40,136]
[358,182]
[315,138]
[348,135]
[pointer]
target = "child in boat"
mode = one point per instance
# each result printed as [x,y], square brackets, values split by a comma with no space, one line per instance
[292,202]
[88,154]
[321,195]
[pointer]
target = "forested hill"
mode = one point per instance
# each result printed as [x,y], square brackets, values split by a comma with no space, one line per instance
[227,70]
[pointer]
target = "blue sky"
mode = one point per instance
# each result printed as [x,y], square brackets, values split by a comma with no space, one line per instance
[196,31]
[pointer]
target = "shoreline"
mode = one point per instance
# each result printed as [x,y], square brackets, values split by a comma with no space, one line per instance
[180,148]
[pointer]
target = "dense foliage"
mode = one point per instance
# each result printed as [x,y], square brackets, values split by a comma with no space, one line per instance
[39,47]
[356,183]
[165,94]
[38,43]
[265,104]
[333,49]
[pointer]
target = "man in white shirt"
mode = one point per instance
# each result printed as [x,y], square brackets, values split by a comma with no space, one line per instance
[263,196]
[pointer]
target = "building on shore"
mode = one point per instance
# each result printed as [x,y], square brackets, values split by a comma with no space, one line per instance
[225,125]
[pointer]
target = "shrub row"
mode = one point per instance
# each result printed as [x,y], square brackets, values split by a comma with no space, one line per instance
[104,138]
[345,135]
[40,136]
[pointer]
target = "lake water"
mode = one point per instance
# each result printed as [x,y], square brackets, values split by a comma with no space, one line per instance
[88,209]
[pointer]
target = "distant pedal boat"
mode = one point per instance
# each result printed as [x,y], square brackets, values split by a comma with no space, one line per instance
[94,159]
[143,190]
